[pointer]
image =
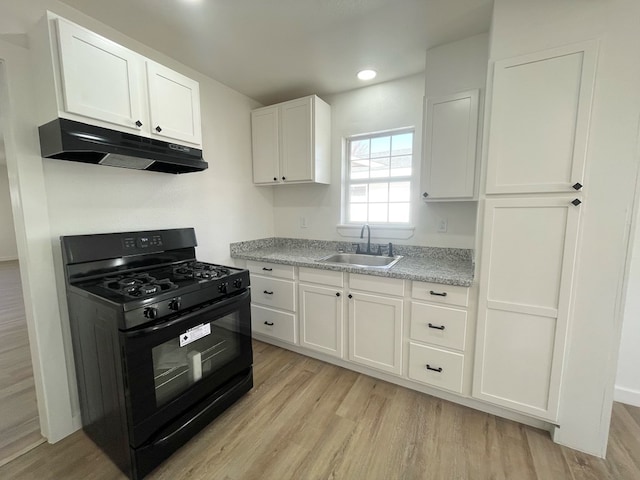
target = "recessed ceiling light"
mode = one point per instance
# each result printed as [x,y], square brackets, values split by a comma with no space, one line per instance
[367,74]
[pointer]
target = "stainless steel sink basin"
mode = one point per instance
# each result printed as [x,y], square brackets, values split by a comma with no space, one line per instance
[362,260]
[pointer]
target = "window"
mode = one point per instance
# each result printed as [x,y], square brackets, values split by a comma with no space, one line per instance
[378,181]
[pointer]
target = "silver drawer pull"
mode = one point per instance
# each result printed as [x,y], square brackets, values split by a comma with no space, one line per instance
[434,369]
[437,327]
[438,294]
[268,293]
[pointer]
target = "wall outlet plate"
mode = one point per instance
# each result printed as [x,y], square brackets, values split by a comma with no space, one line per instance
[442,225]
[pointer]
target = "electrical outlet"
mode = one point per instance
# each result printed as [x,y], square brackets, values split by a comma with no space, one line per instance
[303,222]
[442,225]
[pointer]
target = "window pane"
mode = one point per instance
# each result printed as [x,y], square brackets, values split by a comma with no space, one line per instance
[358,193]
[399,191]
[379,192]
[399,212]
[359,169]
[402,144]
[378,212]
[380,147]
[380,167]
[358,212]
[401,166]
[359,149]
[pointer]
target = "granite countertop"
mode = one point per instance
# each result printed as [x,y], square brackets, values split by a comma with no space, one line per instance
[449,266]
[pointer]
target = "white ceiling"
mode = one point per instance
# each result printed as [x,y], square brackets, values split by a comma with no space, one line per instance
[275,50]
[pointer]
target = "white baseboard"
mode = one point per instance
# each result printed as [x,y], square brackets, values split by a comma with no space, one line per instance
[627,395]
[8,259]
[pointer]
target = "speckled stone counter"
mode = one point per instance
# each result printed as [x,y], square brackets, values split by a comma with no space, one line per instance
[449,266]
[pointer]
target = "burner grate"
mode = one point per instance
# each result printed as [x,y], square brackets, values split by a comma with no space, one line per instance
[138,285]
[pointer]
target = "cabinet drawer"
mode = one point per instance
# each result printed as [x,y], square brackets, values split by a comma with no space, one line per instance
[273,292]
[438,325]
[368,283]
[271,269]
[323,277]
[436,292]
[447,367]
[274,324]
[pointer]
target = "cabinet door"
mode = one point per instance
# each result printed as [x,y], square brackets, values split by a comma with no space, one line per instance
[527,264]
[174,105]
[375,331]
[100,79]
[266,145]
[297,140]
[321,319]
[540,110]
[451,133]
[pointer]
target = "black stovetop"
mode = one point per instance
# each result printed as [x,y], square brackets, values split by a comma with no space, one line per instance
[141,284]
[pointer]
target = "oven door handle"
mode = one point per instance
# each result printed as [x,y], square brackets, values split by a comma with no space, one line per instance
[188,316]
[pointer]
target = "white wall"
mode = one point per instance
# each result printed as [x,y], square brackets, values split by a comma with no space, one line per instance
[520,27]
[375,108]
[628,376]
[221,203]
[8,246]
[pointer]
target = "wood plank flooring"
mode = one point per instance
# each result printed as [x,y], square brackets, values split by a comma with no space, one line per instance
[307,420]
[19,424]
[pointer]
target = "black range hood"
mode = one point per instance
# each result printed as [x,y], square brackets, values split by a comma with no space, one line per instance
[64,139]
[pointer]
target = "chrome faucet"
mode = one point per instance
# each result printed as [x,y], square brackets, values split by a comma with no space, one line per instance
[368,237]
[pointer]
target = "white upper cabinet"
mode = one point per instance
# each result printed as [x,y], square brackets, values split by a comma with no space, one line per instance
[265,144]
[540,111]
[100,79]
[291,142]
[297,140]
[174,105]
[105,84]
[451,134]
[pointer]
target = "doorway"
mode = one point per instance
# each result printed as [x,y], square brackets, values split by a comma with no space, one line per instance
[19,422]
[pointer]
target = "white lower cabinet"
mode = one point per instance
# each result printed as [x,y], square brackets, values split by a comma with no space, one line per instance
[527,259]
[428,348]
[273,301]
[273,323]
[436,367]
[321,319]
[375,331]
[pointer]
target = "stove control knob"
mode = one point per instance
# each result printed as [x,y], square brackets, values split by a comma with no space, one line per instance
[151,313]
[237,283]
[222,288]
[175,304]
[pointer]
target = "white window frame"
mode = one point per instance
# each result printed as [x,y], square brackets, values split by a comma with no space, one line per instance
[347,225]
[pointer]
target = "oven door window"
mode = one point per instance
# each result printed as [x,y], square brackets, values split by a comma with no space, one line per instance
[193,355]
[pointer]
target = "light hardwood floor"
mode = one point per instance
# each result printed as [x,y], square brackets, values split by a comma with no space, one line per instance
[305,419]
[19,424]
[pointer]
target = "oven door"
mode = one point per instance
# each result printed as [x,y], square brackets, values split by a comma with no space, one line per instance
[171,366]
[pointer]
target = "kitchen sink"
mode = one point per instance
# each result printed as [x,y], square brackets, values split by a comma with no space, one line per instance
[362,260]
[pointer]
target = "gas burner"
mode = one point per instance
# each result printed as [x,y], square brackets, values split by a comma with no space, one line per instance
[138,285]
[199,270]
[148,289]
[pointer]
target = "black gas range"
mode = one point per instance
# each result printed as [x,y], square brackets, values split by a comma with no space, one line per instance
[162,341]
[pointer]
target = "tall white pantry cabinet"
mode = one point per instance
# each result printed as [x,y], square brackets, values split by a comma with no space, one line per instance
[535,190]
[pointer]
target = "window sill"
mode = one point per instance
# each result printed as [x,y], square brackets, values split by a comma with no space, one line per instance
[391,232]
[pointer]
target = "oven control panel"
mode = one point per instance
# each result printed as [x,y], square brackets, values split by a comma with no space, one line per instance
[142,242]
